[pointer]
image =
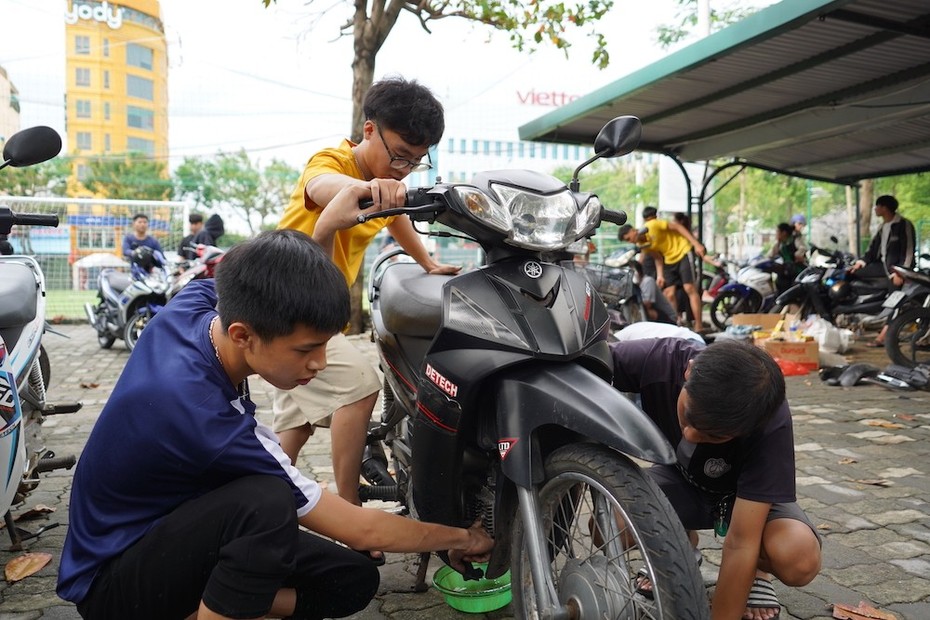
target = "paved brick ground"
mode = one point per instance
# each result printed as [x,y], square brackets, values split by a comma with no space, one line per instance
[876,537]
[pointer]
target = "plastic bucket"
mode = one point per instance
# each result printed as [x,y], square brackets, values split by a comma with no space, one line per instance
[474,597]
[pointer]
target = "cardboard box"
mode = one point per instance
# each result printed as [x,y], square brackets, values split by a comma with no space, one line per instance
[806,354]
[765,321]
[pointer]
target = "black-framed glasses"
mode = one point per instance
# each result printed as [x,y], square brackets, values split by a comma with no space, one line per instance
[401,163]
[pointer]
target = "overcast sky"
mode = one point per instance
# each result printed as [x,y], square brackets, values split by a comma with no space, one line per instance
[277,83]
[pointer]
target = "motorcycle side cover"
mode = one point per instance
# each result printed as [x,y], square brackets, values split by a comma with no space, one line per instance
[12,450]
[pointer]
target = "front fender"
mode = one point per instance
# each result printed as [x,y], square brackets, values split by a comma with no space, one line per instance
[735,287]
[569,397]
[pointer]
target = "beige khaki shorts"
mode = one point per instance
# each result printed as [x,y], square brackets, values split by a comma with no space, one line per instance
[347,378]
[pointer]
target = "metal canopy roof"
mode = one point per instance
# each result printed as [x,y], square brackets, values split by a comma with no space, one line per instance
[835,90]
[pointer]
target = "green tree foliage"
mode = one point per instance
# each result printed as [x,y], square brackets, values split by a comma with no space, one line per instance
[231,181]
[130,177]
[529,25]
[49,178]
[686,19]
[614,182]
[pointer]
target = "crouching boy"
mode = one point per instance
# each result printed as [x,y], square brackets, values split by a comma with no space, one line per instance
[183,505]
[723,407]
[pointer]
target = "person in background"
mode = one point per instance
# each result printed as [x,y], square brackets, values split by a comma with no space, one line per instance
[798,222]
[403,119]
[793,259]
[894,244]
[184,505]
[195,221]
[139,236]
[669,243]
[658,309]
[735,469]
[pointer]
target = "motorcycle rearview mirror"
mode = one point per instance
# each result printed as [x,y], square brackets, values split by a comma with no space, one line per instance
[618,137]
[31,146]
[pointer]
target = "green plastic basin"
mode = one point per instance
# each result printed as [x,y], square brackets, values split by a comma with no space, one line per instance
[476,597]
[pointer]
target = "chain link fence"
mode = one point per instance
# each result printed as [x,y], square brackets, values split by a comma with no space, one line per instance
[88,238]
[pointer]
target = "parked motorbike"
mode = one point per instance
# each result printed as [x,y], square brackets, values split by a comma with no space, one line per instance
[200,268]
[907,341]
[828,289]
[127,302]
[753,290]
[714,279]
[618,290]
[498,404]
[24,369]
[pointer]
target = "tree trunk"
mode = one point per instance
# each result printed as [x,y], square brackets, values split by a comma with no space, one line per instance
[851,216]
[866,198]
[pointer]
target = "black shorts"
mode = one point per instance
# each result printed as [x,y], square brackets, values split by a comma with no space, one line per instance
[234,547]
[679,273]
[697,508]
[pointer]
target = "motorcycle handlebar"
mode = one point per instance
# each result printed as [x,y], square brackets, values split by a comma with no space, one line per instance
[614,217]
[35,219]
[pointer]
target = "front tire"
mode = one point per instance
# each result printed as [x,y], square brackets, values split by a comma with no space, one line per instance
[134,326]
[907,342]
[728,303]
[604,520]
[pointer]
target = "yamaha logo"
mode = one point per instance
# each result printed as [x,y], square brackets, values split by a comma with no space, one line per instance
[532,269]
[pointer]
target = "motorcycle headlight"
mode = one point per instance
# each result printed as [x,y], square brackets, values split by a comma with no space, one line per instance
[481,207]
[589,216]
[529,220]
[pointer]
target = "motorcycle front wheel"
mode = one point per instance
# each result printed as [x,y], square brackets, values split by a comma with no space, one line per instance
[134,326]
[907,341]
[606,524]
[728,303]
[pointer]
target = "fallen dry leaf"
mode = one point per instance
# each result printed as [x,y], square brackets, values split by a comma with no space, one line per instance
[862,612]
[24,565]
[89,385]
[824,526]
[883,424]
[905,416]
[878,482]
[847,461]
[35,512]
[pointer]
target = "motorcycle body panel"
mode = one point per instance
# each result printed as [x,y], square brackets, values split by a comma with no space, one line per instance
[471,387]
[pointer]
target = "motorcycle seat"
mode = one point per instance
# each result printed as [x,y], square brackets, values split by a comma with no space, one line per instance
[117,280]
[411,300]
[17,295]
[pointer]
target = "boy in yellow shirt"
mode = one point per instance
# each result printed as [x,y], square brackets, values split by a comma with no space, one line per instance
[669,243]
[403,120]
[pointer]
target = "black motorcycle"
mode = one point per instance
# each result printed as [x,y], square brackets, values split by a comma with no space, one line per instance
[498,404]
[830,290]
[907,341]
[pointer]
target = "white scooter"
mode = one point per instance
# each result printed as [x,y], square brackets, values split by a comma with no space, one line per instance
[24,370]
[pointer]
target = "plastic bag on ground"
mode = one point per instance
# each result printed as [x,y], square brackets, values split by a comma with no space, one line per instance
[829,338]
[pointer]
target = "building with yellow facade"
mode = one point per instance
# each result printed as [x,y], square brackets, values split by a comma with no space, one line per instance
[116,81]
[116,100]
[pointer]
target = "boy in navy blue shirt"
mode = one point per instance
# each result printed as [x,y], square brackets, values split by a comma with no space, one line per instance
[184,504]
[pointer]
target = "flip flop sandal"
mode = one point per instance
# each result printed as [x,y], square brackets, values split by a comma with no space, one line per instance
[762,596]
[642,579]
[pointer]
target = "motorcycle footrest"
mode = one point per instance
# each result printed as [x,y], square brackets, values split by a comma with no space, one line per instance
[60,408]
[56,462]
[383,492]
